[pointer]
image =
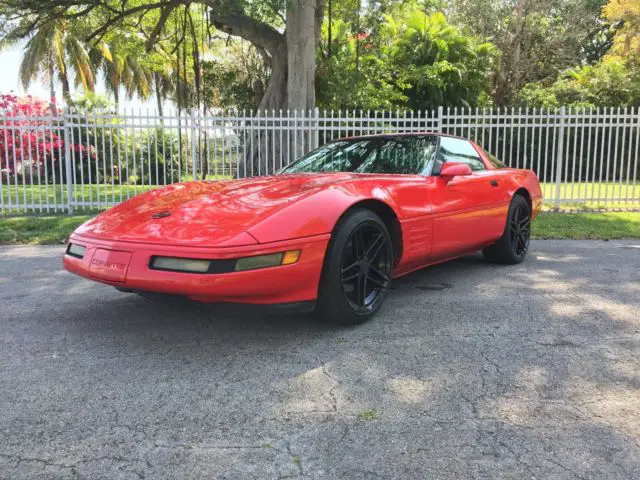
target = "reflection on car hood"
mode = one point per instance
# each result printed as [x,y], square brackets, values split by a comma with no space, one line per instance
[205,213]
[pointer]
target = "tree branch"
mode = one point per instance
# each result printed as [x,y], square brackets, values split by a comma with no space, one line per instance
[238,24]
[166,11]
[227,16]
[122,14]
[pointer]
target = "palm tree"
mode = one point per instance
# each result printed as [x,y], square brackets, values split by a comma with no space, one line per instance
[56,50]
[125,71]
[447,67]
[129,70]
[164,85]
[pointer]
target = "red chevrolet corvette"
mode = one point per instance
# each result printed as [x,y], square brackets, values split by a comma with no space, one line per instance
[329,232]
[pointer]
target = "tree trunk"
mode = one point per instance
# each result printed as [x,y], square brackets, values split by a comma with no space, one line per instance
[52,88]
[330,41]
[66,89]
[157,83]
[301,54]
[293,70]
[293,55]
[508,78]
[275,96]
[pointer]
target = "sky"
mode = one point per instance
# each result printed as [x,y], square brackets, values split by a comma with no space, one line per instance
[10,81]
[10,62]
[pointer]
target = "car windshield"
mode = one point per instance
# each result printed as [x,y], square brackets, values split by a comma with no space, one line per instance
[399,154]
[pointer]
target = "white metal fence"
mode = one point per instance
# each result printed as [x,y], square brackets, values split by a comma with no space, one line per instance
[85,161]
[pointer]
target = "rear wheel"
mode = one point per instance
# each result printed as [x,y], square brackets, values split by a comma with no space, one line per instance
[357,269]
[512,247]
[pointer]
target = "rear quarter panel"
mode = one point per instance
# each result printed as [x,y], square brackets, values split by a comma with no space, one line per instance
[515,179]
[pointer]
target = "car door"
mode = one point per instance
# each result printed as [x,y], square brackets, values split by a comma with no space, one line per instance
[467,210]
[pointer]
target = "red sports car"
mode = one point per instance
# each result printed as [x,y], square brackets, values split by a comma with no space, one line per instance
[329,232]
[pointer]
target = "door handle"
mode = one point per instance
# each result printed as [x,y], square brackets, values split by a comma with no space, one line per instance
[494,183]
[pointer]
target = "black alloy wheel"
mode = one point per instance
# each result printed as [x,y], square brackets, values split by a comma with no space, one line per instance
[512,247]
[366,267]
[357,269]
[520,230]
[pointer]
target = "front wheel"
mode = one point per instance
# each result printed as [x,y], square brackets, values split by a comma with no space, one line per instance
[357,269]
[512,247]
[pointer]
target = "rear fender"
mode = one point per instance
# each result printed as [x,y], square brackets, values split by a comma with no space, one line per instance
[528,180]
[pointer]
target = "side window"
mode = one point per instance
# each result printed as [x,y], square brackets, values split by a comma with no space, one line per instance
[495,162]
[404,155]
[458,150]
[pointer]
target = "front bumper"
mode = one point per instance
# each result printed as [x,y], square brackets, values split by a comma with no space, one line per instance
[126,265]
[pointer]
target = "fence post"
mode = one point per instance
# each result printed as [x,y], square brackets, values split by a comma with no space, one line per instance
[194,149]
[67,157]
[439,119]
[559,159]
[316,137]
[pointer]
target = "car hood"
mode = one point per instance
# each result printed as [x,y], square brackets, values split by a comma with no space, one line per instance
[205,213]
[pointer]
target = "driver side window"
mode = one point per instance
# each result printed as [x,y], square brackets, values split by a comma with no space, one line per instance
[460,151]
[401,155]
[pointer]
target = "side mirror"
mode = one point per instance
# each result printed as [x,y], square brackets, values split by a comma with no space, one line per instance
[455,169]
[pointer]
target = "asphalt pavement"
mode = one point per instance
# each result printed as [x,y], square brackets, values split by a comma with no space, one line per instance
[471,370]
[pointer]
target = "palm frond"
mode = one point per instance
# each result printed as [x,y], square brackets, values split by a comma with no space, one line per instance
[81,62]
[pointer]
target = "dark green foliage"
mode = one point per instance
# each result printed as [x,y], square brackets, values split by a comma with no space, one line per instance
[413,60]
[611,83]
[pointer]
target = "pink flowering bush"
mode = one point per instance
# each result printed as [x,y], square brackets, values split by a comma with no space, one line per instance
[28,145]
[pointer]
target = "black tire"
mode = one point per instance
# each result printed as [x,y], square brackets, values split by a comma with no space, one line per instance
[357,269]
[512,247]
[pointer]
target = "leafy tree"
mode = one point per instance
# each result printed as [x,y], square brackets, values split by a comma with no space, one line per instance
[625,13]
[414,60]
[236,77]
[57,49]
[91,101]
[442,66]
[612,81]
[126,70]
[537,39]
[609,83]
[287,31]
[344,85]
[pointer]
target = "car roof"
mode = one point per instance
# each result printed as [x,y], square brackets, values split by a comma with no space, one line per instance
[403,134]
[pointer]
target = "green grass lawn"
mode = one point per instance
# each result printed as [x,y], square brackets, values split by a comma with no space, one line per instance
[49,230]
[600,196]
[34,230]
[578,226]
[101,196]
[97,196]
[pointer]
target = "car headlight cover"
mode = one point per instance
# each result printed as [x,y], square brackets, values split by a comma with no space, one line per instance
[181,264]
[76,250]
[196,265]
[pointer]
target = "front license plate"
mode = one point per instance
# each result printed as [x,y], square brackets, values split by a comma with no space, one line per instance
[110,265]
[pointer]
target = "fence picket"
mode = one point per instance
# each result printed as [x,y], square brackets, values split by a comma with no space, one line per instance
[67,157]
